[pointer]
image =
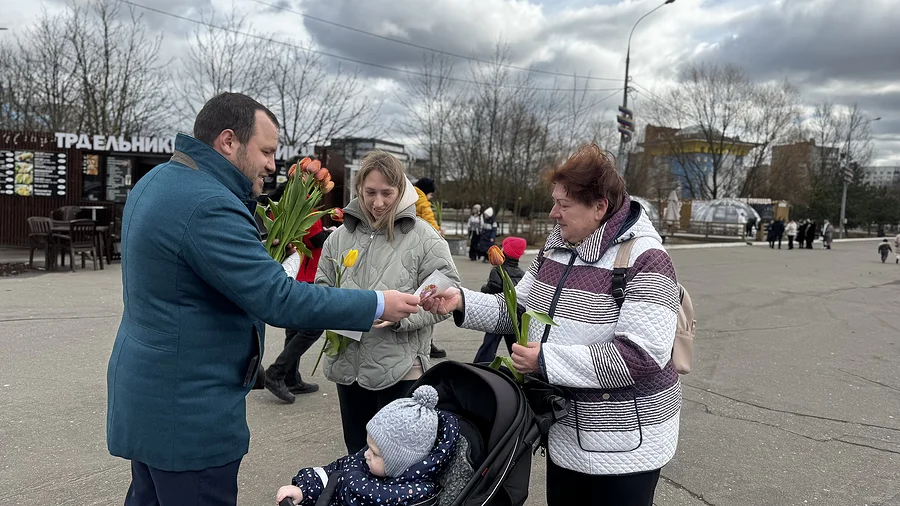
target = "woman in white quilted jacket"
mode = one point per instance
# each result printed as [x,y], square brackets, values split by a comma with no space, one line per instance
[614,364]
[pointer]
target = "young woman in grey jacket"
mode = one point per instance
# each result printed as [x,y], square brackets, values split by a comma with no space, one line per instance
[397,250]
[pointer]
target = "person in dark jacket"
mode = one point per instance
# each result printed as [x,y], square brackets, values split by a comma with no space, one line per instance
[779,232]
[198,288]
[810,234]
[410,444]
[771,233]
[488,233]
[513,249]
[801,233]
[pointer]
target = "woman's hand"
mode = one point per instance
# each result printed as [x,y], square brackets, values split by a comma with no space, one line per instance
[289,250]
[291,491]
[526,359]
[445,302]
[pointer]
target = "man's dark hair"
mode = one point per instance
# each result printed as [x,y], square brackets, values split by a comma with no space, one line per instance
[234,111]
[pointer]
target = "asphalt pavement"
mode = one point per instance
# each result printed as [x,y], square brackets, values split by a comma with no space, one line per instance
[794,399]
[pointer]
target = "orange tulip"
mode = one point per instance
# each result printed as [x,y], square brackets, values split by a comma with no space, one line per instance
[313,167]
[320,175]
[496,256]
[304,163]
[327,179]
[292,170]
[328,187]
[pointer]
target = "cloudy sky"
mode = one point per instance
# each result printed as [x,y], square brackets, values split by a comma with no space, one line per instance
[834,50]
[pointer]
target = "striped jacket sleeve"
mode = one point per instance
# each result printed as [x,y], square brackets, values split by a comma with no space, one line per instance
[644,335]
[487,312]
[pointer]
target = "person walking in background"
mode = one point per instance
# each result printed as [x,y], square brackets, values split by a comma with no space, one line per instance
[779,232]
[396,250]
[801,233]
[198,288]
[897,249]
[488,233]
[827,234]
[475,224]
[513,249]
[791,231]
[770,234]
[810,234]
[425,191]
[884,249]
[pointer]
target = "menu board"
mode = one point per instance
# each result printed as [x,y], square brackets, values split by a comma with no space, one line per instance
[33,173]
[118,178]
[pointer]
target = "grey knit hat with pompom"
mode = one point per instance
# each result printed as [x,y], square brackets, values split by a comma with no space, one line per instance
[405,430]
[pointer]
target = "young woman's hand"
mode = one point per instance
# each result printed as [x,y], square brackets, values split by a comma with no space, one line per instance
[291,491]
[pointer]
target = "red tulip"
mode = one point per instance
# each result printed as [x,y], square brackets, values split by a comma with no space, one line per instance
[337,214]
[496,256]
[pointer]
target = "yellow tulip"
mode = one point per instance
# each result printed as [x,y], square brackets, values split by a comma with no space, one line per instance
[350,259]
[495,255]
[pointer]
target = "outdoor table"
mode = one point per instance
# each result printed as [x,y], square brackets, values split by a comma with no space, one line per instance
[94,210]
[62,228]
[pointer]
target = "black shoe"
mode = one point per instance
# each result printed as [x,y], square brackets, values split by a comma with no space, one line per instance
[303,388]
[437,353]
[279,389]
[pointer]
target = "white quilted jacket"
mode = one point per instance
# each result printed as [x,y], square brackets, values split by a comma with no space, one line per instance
[614,365]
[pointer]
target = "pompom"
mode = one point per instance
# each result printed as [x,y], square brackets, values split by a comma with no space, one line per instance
[427,396]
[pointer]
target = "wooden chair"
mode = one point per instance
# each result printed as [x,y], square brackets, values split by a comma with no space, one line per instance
[39,237]
[81,239]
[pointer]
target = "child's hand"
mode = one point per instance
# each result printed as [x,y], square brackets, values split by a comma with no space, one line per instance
[291,491]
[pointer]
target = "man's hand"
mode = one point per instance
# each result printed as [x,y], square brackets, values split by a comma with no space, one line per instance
[525,359]
[398,305]
[444,302]
[291,491]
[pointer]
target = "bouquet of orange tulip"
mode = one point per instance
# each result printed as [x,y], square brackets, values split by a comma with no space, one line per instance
[289,219]
[335,343]
[496,257]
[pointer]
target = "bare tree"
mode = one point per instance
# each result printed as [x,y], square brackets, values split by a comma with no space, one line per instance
[428,101]
[705,116]
[315,105]
[16,90]
[770,120]
[121,80]
[222,58]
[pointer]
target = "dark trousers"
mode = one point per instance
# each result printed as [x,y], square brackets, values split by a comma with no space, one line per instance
[779,237]
[216,486]
[790,242]
[473,245]
[359,405]
[566,487]
[809,242]
[488,349]
[286,366]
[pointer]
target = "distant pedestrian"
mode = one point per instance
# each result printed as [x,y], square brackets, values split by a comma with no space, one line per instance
[770,234]
[513,249]
[488,232]
[884,249]
[779,232]
[801,233]
[791,231]
[897,249]
[810,234]
[827,234]
[475,224]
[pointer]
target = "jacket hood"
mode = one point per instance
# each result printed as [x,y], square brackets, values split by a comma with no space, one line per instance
[406,211]
[629,222]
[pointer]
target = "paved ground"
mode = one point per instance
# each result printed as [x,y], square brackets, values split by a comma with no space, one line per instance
[794,400]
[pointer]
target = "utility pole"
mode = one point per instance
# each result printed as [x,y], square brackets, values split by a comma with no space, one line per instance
[626,118]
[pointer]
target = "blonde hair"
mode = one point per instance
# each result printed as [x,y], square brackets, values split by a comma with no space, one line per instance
[392,169]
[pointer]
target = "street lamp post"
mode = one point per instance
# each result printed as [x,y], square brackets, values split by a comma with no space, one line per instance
[623,137]
[847,167]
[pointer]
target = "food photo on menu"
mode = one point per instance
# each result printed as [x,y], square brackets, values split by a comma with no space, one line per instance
[24,173]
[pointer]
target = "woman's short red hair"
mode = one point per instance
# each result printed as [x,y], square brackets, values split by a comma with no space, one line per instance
[590,176]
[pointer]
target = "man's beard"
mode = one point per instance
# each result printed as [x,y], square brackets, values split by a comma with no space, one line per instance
[243,164]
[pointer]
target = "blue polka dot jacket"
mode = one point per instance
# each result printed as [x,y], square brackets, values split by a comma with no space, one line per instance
[359,487]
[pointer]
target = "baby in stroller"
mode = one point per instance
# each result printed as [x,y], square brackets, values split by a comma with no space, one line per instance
[410,444]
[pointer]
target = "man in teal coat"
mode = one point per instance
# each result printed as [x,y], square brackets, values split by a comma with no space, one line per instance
[198,288]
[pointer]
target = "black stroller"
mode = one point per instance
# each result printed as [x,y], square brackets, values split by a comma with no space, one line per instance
[501,421]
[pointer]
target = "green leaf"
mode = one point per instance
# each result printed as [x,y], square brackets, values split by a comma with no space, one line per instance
[526,322]
[541,317]
[302,249]
[508,363]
